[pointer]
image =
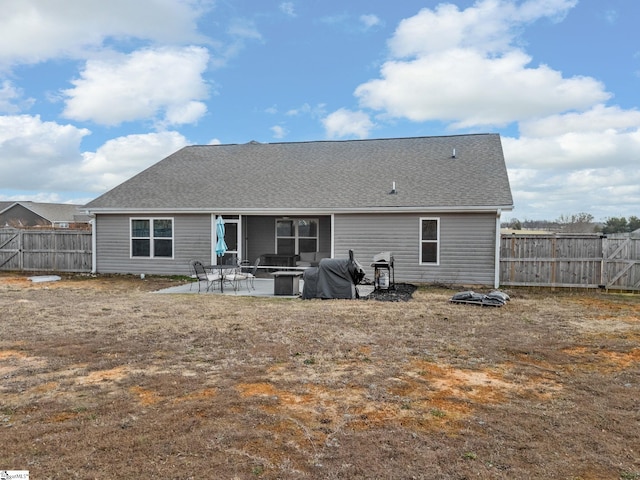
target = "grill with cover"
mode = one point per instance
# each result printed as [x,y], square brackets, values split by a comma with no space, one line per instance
[333,278]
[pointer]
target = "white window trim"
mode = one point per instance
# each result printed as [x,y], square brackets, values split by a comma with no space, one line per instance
[297,237]
[151,238]
[437,241]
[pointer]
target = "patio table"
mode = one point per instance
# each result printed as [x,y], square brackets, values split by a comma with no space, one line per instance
[221,268]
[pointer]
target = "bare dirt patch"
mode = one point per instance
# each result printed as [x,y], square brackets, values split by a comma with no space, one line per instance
[98,376]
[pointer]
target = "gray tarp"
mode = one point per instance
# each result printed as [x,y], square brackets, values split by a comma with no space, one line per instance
[495,298]
[332,278]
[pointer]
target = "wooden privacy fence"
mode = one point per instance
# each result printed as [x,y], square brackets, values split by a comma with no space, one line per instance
[588,261]
[45,250]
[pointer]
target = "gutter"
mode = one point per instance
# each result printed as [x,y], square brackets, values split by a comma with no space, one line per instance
[302,211]
[496,274]
[94,243]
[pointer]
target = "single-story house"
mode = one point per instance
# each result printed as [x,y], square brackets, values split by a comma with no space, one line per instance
[433,202]
[26,214]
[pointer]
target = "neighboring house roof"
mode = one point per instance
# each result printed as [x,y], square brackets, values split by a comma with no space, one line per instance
[331,176]
[51,212]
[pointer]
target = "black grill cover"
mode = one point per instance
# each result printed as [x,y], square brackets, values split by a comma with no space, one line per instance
[332,278]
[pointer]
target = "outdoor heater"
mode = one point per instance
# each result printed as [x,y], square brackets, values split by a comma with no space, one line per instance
[383,274]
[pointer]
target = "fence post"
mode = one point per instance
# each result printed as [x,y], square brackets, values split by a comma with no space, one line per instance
[604,282]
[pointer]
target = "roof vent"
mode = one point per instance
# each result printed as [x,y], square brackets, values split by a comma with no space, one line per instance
[393,189]
[453,154]
[253,142]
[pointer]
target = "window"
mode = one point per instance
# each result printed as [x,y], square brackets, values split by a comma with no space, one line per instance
[152,237]
[295,236]
[429,240]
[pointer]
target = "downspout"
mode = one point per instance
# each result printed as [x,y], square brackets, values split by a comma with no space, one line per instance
[496,274]
[333,230]
[94,243]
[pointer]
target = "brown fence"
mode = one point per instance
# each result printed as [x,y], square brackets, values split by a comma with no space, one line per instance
[45,250]
[588,261]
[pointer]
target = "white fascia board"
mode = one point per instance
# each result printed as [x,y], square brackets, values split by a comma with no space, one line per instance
[298,211]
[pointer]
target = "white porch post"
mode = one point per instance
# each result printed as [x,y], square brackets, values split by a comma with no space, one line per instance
[94,243]
[496,275]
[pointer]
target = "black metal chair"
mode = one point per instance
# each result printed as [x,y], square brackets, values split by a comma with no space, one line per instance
[250,271]
[202,275]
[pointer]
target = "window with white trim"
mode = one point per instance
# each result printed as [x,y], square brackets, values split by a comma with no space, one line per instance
[430,241]
[152,237]
[297,235]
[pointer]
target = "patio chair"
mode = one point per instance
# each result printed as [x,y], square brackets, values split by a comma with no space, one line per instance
[250,272]
[233,277]
[202,275]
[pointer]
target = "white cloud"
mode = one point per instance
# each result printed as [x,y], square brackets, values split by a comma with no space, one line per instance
[121,158]
[470,89]
[141,85]
[488,26]
[39,156]
[370,20]
[316,111]
[30,149]
[461,67]
[576,163]
[288,9]
[346,123]
[189,112]
[244,29]
[304,109]
[240,31]
[600,136]
[597,119]
[603,192]
[8,95]
[279,131]
[38,30]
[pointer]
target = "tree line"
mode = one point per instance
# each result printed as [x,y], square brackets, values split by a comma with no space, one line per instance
[578,223]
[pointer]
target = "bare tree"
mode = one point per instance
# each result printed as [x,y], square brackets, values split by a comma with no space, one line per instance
[577,223]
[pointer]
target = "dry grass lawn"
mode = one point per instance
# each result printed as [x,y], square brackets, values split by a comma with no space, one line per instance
[101,379]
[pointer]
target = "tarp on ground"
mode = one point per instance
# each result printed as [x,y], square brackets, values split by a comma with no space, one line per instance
[495,298]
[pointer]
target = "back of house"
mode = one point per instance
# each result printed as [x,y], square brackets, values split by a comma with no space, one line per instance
[433,202]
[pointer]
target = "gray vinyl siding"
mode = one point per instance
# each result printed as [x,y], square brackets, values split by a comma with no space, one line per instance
[192,240]
[191,236]
[467,245]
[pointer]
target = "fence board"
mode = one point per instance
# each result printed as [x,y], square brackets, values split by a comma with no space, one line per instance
[588,261]
[45,250]
[621,268]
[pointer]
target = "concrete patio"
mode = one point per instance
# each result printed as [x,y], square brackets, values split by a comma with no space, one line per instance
[263,287]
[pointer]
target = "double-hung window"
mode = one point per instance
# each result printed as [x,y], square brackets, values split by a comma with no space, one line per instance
[152,237]
[429,241]
[295,236]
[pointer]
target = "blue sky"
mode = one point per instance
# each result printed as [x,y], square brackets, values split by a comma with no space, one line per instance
[92,92]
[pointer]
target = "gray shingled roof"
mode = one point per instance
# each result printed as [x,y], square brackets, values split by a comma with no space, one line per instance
[322,175]
[53,212]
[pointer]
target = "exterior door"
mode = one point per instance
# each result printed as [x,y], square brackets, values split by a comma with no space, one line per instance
[232,238]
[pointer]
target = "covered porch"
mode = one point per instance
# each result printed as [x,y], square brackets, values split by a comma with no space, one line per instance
[278,242]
